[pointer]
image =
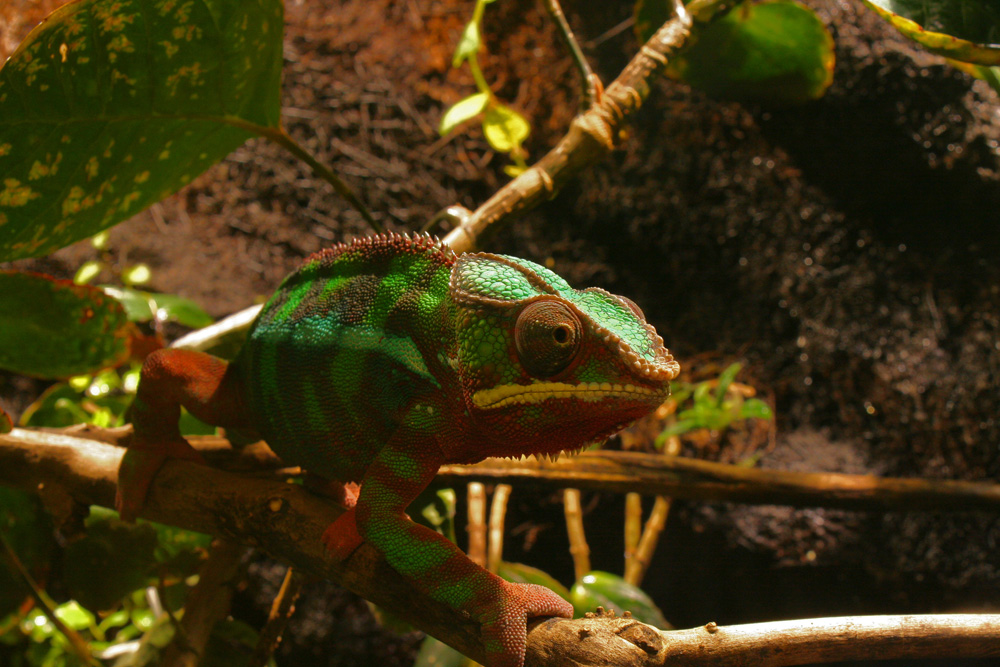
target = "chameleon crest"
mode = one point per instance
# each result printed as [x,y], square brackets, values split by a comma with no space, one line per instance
[379,361]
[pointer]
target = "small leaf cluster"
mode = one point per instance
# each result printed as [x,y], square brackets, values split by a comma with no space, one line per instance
[504,129]
[712,404]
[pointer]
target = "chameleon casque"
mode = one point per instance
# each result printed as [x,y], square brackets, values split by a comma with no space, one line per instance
[380,360]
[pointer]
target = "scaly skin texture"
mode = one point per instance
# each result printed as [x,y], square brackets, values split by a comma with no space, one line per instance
[380,360]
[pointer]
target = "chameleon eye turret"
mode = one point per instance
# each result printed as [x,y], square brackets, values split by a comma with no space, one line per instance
[380,360]
[548,335]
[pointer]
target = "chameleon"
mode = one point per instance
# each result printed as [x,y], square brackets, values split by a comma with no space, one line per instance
[380,360]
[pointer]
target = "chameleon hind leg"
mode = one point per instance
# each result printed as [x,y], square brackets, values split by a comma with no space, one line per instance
[203,384]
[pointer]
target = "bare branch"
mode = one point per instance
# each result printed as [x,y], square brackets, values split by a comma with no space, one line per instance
[591,136]
[286,521]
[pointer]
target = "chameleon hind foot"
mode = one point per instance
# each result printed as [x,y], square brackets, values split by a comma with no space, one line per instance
[139,466]
[505,625]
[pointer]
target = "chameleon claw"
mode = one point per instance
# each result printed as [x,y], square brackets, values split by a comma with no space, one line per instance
[505,626]
[139,466]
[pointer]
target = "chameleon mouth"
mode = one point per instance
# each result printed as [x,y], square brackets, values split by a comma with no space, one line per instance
[520,394]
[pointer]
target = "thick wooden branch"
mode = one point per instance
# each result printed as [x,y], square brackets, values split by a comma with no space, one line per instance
[286,521]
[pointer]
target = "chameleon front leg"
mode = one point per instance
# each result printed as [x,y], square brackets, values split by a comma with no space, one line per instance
[402,469]
[170,379]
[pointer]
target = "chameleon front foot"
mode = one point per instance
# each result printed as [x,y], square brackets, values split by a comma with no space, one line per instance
[138,468]
[505,625]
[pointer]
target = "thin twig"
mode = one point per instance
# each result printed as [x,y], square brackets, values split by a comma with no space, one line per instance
[635,569]
[45,604]
[498,512]
[476,524]
[281,610]
[578,547]
[633,529]
[589,81]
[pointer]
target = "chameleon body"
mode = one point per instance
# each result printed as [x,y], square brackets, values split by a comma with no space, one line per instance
[382,359]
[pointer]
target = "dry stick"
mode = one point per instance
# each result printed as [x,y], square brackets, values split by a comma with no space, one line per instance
[691,479]
[588,80]
[578,547]
[476,494]
[498,512]
[287,521]
[281,610]
[633,528]
[45,604]
[591,136]
[206,604]
[635,569]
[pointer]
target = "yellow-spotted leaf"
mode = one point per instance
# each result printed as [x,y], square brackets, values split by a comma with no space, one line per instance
[54,329]
[110,105]
[965,30]
[776,51]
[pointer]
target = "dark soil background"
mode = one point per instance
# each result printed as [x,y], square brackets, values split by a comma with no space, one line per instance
[845,250]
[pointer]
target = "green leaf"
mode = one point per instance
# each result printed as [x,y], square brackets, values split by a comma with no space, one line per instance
[754,408]
[726,378]
[6,423]
[965,30]
[612,592]
[87,272]
[111,105]
[75,616]
[53,329]
[468,45]
[136,275]
[776,51]
[144,306]
[505,129]
[519,573]
[462,111]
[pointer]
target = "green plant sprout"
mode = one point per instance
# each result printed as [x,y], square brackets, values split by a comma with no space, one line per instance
[504,128]
[713,405]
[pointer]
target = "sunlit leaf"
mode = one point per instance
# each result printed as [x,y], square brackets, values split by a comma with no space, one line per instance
[87,272]
[468,45]
[462,111]
[776,51]
[144,306]
[966,30]
[612,592]
[52,328]
[75,616]
[136,275]
[111,105]
[505,129]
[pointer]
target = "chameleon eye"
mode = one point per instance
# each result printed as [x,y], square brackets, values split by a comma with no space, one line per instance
[548,336]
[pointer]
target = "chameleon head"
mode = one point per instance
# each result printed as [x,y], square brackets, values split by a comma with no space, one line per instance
[546,368]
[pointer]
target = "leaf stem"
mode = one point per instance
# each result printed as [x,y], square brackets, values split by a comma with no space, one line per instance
[282,138]
[588,80]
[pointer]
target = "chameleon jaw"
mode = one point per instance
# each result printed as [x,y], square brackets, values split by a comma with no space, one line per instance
[519,394]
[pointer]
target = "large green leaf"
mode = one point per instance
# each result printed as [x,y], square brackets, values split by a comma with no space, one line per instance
[110,105]
[966,30]
[53,328]
[776,51]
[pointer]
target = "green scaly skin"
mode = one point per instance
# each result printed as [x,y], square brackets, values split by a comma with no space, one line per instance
[382,359]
